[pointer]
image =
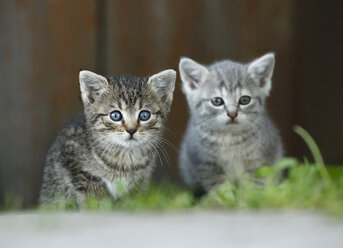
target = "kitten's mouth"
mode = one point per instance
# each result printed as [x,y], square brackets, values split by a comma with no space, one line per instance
[232,122]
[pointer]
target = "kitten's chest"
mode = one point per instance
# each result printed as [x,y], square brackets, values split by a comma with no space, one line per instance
[238,149]
[121,166]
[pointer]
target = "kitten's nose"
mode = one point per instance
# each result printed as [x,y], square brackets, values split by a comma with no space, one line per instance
[131,130]
[232,115]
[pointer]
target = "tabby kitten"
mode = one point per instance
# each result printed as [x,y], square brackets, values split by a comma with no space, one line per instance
[229,132]
[111,147]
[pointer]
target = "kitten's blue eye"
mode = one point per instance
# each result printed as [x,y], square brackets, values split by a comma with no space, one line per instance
[144,115]
[217,101]
[116,116]
[244,100]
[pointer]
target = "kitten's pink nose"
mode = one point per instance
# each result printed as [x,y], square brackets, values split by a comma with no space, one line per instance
[232,115]
[131,130]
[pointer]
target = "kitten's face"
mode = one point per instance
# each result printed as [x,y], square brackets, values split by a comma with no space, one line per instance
[227,96]
[127,111]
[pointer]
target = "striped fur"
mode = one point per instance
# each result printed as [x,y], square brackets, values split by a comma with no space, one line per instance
[215,148]
[94,155]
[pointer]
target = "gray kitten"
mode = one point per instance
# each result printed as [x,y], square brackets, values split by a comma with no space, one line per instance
[112,146]
[229,132]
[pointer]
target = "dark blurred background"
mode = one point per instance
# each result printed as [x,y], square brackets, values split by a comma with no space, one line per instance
[43,44]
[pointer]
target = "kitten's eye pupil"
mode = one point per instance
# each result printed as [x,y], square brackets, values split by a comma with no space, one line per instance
[116,116]
[244,100]
[144,115]
[217,101]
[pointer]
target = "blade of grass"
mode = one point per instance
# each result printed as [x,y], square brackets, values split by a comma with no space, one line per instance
[317,156]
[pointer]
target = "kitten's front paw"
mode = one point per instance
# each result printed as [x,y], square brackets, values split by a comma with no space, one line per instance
[117,187]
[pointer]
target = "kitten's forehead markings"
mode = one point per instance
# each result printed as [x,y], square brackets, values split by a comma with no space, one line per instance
[236,86]
[221,83]
[140,104]
[220,77]
[133,112]
[119,104]
[137,105]
[116,105]
[123,105]
[222,91]
[224,83]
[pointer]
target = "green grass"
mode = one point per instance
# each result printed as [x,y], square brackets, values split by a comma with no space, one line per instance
[165,196]
[307,186]
[303,189]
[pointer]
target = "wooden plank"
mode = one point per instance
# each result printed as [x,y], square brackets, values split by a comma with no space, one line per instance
[318,73]
[42,47]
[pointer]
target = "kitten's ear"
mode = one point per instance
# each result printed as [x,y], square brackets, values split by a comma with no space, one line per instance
[192,74]
[163,82]
[261,70]
[92,85]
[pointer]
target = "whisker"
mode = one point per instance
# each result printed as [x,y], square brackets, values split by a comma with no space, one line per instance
[163,152]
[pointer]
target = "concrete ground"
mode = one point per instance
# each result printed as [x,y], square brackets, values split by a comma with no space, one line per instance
[180,229]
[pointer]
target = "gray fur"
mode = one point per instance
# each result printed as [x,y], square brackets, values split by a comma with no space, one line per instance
[93,155]
[215,149]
